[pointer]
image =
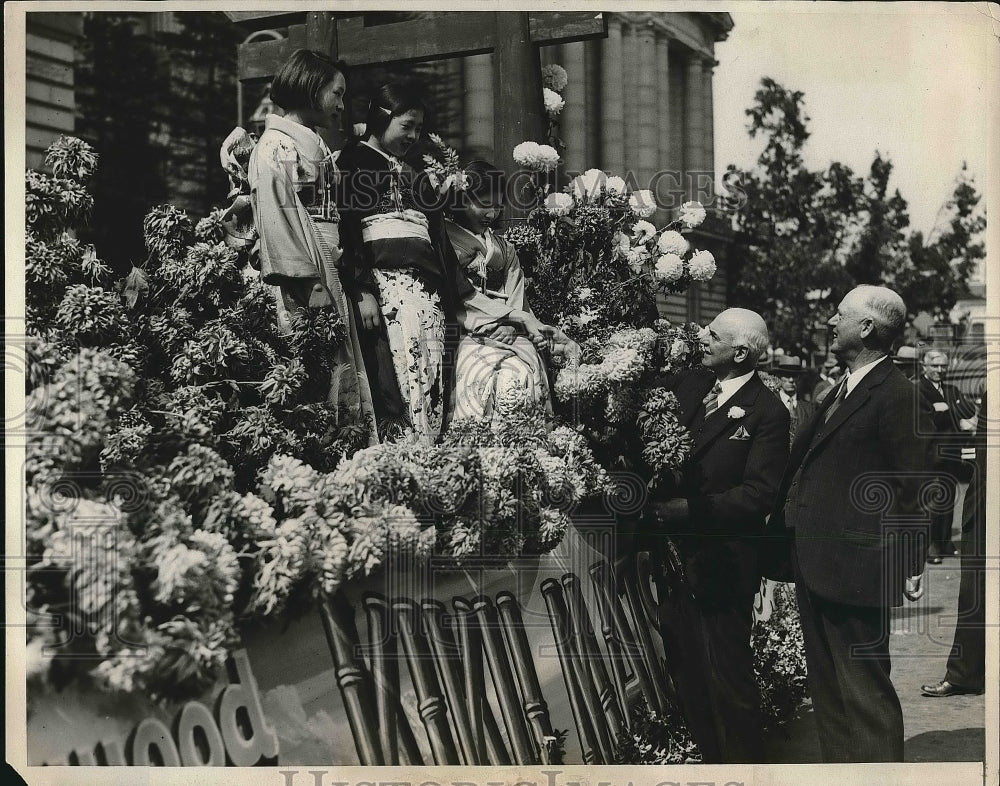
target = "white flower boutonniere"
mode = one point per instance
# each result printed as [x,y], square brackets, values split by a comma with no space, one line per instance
[736,412]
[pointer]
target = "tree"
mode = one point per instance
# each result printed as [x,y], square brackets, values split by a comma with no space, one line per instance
[934,273]
[806,237]
[121,90]
[201,58]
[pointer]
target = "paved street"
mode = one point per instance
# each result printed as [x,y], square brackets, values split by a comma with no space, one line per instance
[951,729]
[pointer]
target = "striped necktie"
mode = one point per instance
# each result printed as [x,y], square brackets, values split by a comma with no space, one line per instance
[711,401]
[841,395]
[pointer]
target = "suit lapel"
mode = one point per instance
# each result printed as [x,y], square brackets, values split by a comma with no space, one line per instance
[719,420]
[854,401]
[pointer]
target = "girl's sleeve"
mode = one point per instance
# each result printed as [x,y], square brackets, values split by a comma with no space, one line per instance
[286,256]
[355,188]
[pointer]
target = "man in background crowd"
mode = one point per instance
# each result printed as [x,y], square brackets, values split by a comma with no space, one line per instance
[828,378]
[945,419]
[788,369]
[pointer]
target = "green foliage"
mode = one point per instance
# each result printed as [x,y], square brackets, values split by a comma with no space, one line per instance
[779,659]
[806,237]
[780,670]
[934,274]
[121,91]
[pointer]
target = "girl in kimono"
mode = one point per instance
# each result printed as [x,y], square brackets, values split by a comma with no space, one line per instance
[291,174]
[499,360]
[404,279]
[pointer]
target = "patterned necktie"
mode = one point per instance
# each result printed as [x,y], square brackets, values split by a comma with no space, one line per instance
[711,401]
[841,395]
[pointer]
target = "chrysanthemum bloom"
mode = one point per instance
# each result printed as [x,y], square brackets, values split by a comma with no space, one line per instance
[692,214]
[669,267]
[672,242]
[702,266]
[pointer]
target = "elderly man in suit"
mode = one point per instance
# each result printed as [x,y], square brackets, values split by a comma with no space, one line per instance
[788,369]
[854,471]
[945,417]
[966,669]
[712,518]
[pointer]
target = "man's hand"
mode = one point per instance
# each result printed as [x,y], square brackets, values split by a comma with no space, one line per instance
[368,310]
[671,513]
[914,588]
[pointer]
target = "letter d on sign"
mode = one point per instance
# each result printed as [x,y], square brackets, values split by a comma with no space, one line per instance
[241,717]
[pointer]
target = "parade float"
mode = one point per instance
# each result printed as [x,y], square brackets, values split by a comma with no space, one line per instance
[222,570]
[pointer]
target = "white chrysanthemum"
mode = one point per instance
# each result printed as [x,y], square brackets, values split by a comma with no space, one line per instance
[554,102]
[642,203]
[589,184]
[615,185]
[584,294]
[642,339]
[511,400]
[701,266]
[558,204]
[258,515]
[643,232]
[637,257]
[692,214]
[669,267]
[555,77]
[588,315]
[623,364]
[553,525]
[672,242]
[573,381]
[536,157]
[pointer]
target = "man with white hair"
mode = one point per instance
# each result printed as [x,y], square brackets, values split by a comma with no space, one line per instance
[713,518]
[855,471]
[945,418]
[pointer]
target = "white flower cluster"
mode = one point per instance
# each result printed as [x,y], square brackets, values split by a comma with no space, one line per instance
[536,157]
[643,203]
[701,266]
[554,103]
[593,182]
[559,204]
[625,356]
[692,214]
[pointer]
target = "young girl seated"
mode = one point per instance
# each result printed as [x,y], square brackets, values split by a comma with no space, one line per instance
[498,357]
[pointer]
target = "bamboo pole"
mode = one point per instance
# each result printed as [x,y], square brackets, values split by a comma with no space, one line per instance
[517,643]
[342,638]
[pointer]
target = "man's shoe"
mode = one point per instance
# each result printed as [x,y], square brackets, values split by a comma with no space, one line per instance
[945,688]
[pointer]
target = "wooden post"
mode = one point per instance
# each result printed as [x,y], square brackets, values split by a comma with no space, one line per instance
[321,33]
[518,111]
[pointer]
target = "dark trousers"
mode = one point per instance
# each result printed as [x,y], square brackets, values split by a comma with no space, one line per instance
[967,661]
[857,711]
[942,519]
[711,664]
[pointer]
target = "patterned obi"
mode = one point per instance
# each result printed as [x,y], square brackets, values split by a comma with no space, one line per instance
[391,226]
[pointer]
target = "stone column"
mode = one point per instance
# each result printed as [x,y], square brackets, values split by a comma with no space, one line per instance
[708,67]
[694,119]
[574,118]
[630,91]
[612,94]
[678,109]
[663,108]
[478,100]
[592,97]
[647,116]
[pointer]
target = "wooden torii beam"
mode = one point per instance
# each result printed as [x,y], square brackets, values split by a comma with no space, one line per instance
[512,36]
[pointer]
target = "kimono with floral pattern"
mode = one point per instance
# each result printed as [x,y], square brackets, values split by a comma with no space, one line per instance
[395,248]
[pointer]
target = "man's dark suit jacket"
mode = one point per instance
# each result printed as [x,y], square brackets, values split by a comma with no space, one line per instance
[730,483]
[941,426]
[861,474]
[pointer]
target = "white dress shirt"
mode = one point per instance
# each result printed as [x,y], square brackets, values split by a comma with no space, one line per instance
[731,386]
